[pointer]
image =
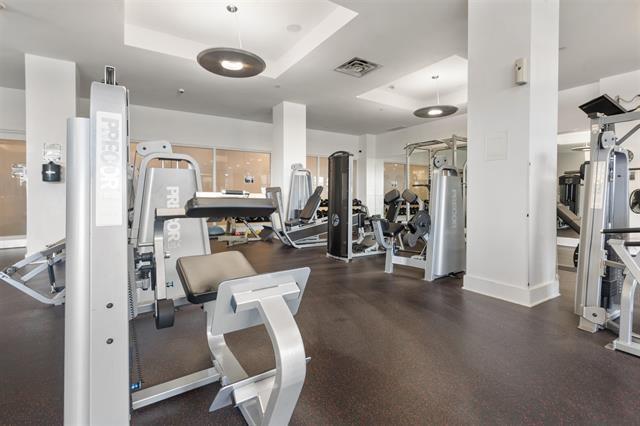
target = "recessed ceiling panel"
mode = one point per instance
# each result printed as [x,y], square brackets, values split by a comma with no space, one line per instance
[419,89]
[282,32]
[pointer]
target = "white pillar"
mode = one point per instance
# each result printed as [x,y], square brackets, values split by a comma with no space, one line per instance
[511,217]
[289,143]
[50,98]
[370,175]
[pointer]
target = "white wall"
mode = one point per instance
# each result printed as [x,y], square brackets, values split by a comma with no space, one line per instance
[570,117]
[51,100]
[570,161]
[324,143]
[12,119]
[189,128]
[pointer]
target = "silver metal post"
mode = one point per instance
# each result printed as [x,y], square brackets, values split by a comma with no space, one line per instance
[77,313]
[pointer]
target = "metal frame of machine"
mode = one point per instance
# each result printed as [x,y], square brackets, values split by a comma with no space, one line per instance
[444,251]
[627,341]
[286,226]
[600,278]
[99,282]
[44,259]
[297,235]
[433,147]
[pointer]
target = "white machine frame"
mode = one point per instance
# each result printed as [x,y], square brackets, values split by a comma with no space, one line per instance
[97,314]
[627,341]
[444,251]
[604,207]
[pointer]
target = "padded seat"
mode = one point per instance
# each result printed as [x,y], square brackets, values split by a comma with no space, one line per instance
[202,275]
[393,229]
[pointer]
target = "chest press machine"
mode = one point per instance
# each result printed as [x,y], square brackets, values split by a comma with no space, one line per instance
[97,387]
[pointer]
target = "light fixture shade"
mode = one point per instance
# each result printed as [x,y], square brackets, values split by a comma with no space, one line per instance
[435,111]
[212,60]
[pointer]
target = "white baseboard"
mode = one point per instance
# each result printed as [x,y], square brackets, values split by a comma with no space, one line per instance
[17,241]
[525,296]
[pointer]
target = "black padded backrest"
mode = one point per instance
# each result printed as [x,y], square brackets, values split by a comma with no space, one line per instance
[312,205]
[392,211]
[229,207]
[409,196]
[392,196]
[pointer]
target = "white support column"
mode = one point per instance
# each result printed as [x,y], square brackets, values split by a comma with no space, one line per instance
[511,235]
[50,98]
[370,175]
[289,143]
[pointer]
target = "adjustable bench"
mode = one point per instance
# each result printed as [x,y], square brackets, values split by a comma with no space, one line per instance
[235,297]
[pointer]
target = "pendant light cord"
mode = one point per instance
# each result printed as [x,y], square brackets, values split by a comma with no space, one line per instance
[238,28]
[436,77]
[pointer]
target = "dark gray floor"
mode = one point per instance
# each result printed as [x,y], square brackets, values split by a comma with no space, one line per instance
[385,349]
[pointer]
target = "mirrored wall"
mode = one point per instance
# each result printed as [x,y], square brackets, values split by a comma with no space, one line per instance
[13,193]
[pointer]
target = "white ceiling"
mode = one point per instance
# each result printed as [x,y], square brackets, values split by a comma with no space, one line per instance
[419,88]
[602,37]
[258,26]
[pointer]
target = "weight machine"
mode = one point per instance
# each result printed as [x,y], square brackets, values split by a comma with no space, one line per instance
[300,226]
[101,276]
[20,273]
[441,227]
[343,221]
[603,259]
[440,153]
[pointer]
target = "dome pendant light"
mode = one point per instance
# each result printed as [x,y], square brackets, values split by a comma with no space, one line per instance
[436,111]
[231,62]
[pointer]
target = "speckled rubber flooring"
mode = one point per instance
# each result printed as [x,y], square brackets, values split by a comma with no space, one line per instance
[385,349]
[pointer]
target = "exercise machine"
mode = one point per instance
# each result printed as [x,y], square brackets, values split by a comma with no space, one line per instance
[441,227]
[569,184]
[150,186]
[22,272]
[627,341]
[300,190]
[343,221]
[436,153]
[306,230]
[299,225]
[158,187]
[100,279]
[600,275]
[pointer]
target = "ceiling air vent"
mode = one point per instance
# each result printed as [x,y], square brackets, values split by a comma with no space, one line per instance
[393,129]
[357,67]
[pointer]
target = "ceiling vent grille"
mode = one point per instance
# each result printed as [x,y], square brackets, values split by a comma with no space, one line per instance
[357,67]
[393,129]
